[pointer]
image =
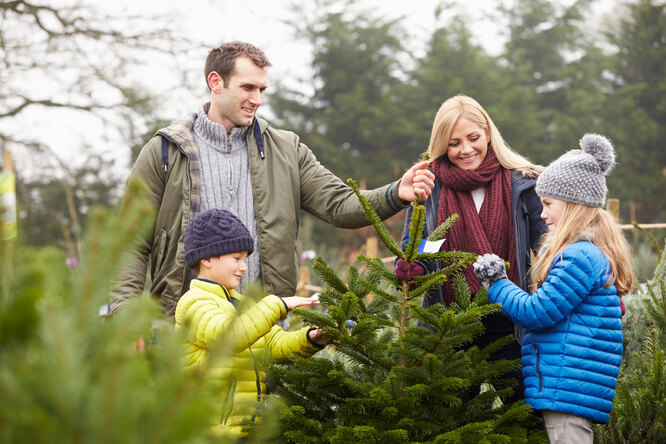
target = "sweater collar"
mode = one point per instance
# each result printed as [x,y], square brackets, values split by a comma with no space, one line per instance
[215,134]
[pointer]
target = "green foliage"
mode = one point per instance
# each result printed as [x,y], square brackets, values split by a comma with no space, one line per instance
[68,375]
[354,110]
[639,411]
[636,121]
[400,372]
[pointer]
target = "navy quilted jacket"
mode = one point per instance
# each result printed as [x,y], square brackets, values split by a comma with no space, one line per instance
[572,351]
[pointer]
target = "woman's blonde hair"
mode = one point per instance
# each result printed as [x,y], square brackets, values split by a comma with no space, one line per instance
[580,222]
[463,106]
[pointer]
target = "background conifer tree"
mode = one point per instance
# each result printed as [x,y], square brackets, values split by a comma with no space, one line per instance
[399,372]
[68,375]
[639,410]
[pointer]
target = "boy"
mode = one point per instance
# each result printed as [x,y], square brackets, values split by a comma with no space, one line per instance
[216,246]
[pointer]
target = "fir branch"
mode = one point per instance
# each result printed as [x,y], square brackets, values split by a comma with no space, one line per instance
[431,281]
[448,256]
[463,296]
[314,318]
[363,357]
[349,305]
[416,225]
[438,232]
[370,213]
[379,292]
[377,307]
[377,270]
[328,275]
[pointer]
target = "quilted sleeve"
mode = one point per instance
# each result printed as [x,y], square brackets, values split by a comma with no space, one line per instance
[210,320]
[287,343]
[569,281]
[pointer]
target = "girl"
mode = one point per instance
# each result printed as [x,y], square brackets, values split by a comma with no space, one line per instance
[572,351]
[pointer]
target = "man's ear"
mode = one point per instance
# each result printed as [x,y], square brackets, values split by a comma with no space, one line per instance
[215,82]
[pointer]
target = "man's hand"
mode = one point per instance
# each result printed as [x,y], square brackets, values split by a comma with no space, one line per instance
[419,181]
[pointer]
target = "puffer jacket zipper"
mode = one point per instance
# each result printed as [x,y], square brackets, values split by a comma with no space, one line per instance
[258,381]
[538,362]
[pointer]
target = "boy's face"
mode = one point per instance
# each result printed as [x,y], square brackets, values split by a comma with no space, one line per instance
[226,270]
[552,212]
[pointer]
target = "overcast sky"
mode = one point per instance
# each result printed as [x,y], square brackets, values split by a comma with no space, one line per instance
[261,22]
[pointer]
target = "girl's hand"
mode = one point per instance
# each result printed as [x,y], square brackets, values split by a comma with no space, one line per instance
[298,301]
[489,268]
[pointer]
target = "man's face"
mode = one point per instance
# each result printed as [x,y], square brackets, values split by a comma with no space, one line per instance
[236,103]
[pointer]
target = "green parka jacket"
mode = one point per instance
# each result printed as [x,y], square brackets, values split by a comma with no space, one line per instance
[286,178]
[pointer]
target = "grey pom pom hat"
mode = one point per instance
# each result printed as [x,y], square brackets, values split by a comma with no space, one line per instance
[579,176]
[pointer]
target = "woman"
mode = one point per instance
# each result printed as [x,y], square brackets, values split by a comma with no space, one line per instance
[491,187]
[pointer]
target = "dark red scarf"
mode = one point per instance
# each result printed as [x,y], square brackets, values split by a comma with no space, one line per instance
[490,230]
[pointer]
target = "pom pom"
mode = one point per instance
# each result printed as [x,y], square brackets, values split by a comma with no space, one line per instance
[601,149]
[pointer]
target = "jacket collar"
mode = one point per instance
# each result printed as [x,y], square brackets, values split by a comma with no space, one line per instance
[211,287]
[180,133]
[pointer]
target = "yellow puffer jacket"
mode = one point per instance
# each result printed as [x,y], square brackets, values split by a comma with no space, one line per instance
[244,335]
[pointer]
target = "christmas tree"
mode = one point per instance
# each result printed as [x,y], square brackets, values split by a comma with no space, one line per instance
[399,372]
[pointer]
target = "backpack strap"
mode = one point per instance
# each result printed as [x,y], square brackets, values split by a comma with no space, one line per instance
[259,138]
[165,152]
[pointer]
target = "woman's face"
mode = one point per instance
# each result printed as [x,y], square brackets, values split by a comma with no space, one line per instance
[468,145]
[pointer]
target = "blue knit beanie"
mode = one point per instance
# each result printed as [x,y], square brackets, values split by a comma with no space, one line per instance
[213,233]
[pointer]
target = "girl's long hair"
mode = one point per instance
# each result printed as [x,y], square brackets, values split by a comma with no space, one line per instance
[460,106]
[580,222]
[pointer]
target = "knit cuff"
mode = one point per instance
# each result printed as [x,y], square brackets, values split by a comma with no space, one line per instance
[393,198]
[285,308]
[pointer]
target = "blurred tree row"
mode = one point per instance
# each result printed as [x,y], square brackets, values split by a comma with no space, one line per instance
[367,109]
[88,63]
[373,104]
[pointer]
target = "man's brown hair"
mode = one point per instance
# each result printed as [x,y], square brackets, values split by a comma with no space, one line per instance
[222,59]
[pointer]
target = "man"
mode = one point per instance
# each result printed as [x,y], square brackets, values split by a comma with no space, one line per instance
[226,157]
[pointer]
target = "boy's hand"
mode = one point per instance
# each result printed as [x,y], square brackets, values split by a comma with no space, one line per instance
[298,301]
[317,336]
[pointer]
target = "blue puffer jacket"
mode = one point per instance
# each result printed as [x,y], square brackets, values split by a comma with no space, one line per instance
[572,351]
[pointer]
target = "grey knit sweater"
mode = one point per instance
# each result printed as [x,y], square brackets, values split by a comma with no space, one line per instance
[225,179]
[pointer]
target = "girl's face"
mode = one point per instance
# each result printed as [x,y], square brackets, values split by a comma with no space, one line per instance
[552,212]
[468,145]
